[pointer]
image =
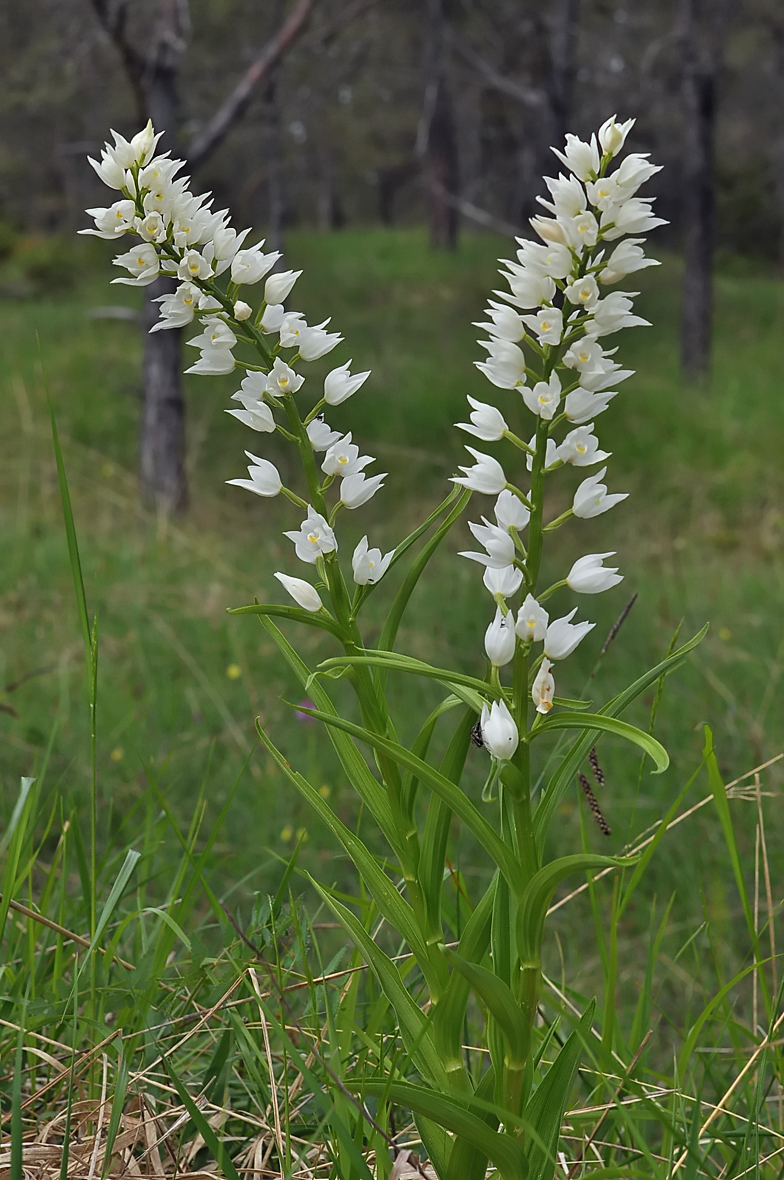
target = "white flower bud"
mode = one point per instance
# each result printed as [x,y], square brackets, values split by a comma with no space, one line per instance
[612,135]
[356,490]
[499,732]
[591,497]
[340,385]
[242,311]
[500,639]
[278,286]
[302,592]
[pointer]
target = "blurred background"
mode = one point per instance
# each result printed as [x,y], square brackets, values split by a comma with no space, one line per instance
[393,148]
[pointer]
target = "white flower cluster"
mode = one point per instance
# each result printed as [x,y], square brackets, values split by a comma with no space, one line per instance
[178,235]
[544,342]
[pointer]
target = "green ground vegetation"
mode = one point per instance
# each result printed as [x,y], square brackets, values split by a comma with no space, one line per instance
[701,539]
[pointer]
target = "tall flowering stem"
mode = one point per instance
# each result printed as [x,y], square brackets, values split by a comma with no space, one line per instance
[543,350]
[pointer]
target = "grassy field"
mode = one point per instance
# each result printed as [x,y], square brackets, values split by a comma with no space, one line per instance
[700,539]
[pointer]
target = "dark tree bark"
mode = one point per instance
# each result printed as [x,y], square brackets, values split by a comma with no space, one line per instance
[703,28]
[437,140]
[154,75]
[563,51]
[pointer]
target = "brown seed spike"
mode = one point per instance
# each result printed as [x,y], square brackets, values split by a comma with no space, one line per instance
[593,803]
[598,773]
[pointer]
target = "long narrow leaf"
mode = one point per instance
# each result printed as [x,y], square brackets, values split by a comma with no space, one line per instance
[539,891]
[596,721]
[360,776]
[545,1109]
[118,888]
[452,795]
[574,758]
[451,1113]
[413,1023]
[313,619]
[393,907]
[389,632]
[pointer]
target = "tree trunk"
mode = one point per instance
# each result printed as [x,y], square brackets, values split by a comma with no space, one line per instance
[563,48]
[442,170]
[699,103]
[702,34]
[274,154]
[162,437]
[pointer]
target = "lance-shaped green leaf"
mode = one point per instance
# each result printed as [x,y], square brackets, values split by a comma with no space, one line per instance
[437,782]
[449,1013]
[395,661]
[394,908]
[313,618]
[597,721]
[420,746]
[414,1027]
[389,632]
[498,999]
[535,901]
[575,757]
[453,1114]
[359,774]
[545,1109]
[432,855]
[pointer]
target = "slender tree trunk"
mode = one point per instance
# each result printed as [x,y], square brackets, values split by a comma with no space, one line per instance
[162,438]
[442,167]
[274,155]
[563,52]
[702,35]
[699,104]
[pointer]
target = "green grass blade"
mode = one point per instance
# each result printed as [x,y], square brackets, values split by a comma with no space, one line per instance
[118,1102]
[393,907]
[214,1145]
[545,1109]
[413,1023]
[116,892]
[70,527]
[17,1164]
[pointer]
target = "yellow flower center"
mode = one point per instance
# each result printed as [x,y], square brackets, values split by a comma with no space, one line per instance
[313,538]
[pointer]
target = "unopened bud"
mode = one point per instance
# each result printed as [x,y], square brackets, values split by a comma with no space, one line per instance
[242,310]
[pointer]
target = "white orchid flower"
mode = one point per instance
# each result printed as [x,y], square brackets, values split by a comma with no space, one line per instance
[368,565]
[339,385]
[589,576]
[264,477]
[532,620]
[500,639]
[591,497]
[563,636]
[486,422]
[313,538]
[486,476]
